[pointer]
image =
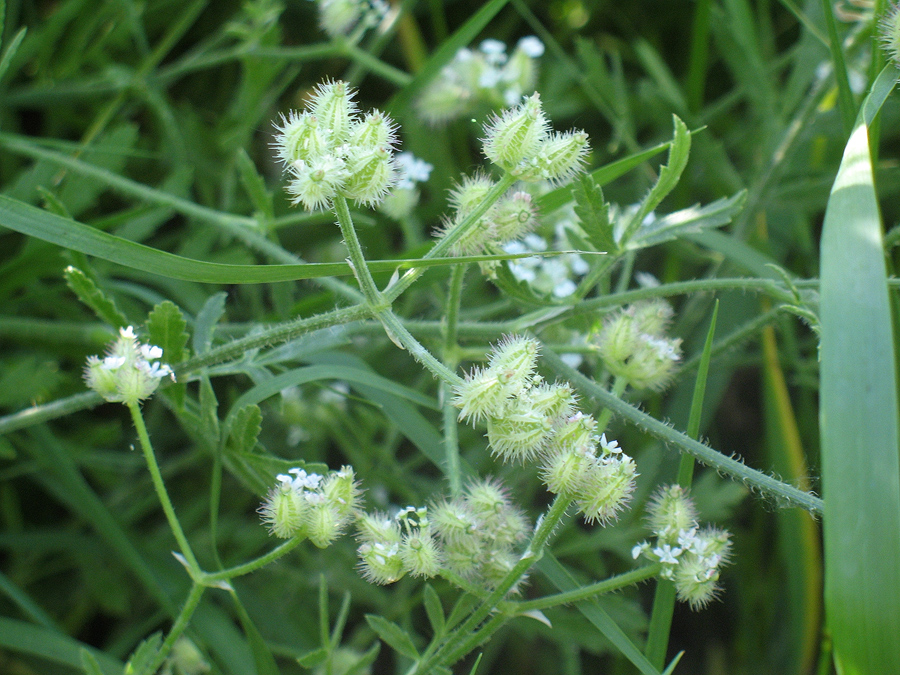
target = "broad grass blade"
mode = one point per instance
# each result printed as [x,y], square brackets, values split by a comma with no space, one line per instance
[858,417]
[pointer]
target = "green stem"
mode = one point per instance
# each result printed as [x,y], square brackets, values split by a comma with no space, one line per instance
[160,488]
[617,391]
[399,333]
[379,305]
[357,259]
[253,565]
[178,628]
[787,494]
[591,590]
[535,550]
[375,65]
[273,336]
[451,360]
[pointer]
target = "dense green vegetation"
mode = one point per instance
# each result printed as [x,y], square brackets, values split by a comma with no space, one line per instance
[711,190]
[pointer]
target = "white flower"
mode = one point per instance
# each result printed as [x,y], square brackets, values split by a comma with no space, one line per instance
[667,554]
[531,46]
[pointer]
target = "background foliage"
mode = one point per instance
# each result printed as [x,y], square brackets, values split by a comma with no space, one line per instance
[152,122]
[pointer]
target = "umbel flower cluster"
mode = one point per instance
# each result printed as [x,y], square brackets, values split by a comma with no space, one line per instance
[130,372]
[520,142]
[634,346]
[310,505]
[329,149]
[339,17]
[473,536]
[691,557]
[511,217]
[486,76]
[530,419]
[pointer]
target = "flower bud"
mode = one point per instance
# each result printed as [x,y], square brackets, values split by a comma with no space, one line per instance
[670,511]
[644,359]
[479,396]
[576,433]
[341,491]
[420,554]
[323,523]
[377,527]
[376,130]
[316,182]
[371,175]
[285,510]
[558,158]
[513,217]
[516,135]
[518,434]
[129,373]
[298,138]
[380,563]
[333,106]
[453,521]
[606,488]
[462,557]
[564,472]
[513,362]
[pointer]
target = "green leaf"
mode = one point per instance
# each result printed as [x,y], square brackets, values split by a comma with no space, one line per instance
[245,428]
[205,324]
[593,612]
[88,292]
[692,220]
[602,176]
[669,175]
[71,234]
[392,635]
[593,213]
[11,50]
[209,416]
[255,186]
[518,290]
[89,663]
[433,609]
[23,637]
[366,660]
[144,655]
[314,658]
[858,418]
[167,329]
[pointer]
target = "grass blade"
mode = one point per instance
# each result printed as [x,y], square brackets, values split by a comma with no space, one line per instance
[858,418]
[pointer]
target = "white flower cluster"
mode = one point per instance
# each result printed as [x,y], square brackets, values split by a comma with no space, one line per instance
[633,344]
[691,557]
[473,536]
[339,17]
[310,505]
[330,150]
[486,76]
[404,197]
[130,372]
[528,418]
[556,276]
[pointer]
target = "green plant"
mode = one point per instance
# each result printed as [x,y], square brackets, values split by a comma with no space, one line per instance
[410,416]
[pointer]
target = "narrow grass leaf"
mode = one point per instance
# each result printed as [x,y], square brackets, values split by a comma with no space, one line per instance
[551,568]
[24,638]
[858,419]
[394,636]
[71,234]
